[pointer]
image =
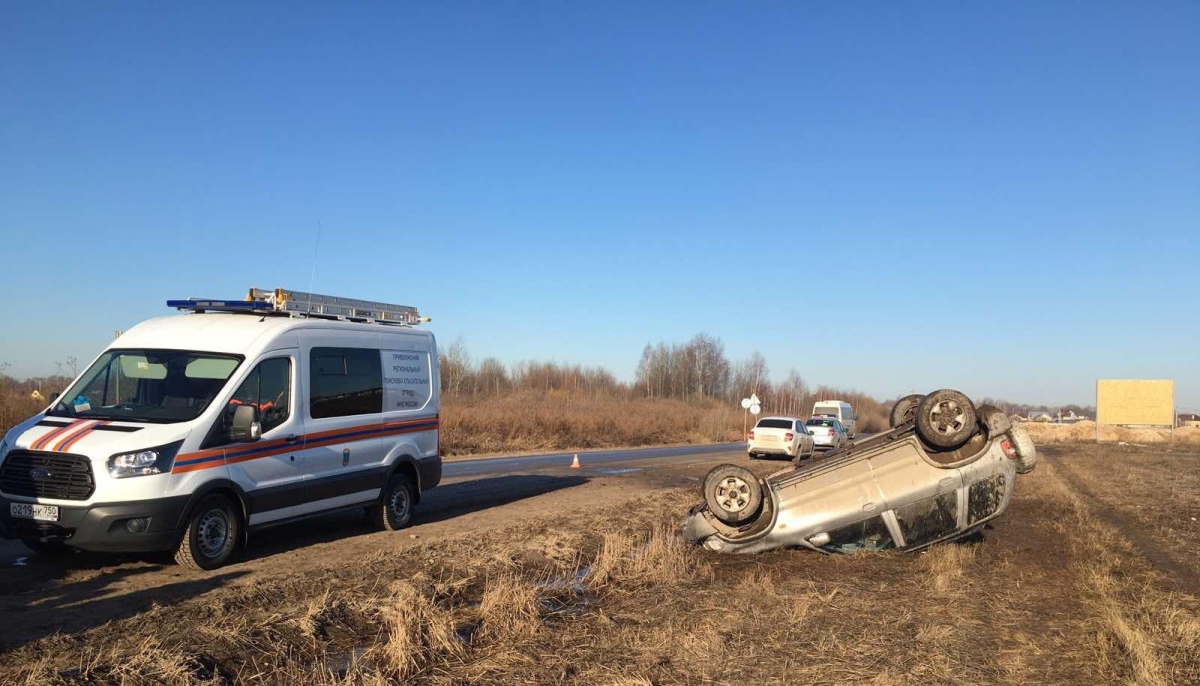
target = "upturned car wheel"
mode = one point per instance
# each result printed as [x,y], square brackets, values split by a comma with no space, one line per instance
[1027,457]
[946,418]
[733,493]
[395,509]
[212,534]
[905,409]
[993,419]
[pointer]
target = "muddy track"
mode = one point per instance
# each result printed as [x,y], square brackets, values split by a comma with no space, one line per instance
[1183,576]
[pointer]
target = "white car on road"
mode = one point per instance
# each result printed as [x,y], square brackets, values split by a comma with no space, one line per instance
[827,432]
[784,436]
[839,410]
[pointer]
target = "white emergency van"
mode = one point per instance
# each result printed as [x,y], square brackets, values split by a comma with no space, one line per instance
[839,410]
[191,431]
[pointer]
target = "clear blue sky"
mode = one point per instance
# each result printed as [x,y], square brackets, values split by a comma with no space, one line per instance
[1003,198]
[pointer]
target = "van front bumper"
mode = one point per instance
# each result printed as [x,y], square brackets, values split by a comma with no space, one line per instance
[104,527]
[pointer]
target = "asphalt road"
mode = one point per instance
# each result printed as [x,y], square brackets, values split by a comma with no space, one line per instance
[476,482]
[599,458]
[480,483]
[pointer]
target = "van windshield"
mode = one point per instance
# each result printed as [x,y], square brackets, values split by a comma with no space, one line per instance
[159,386]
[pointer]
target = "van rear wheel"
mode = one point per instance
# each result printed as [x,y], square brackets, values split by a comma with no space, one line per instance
[395,508]
[212,534]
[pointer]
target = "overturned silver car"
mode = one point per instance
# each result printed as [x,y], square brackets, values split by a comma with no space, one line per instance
[942,472]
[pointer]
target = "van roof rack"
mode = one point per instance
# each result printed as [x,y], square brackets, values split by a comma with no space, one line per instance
[300,304]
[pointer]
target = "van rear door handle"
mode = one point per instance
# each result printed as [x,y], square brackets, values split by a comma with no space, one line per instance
[292,439]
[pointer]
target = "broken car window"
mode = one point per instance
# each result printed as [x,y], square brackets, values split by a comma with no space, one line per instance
[928,520]
[870,534]
[984,498]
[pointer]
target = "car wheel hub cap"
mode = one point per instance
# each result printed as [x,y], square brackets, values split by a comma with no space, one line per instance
[733,494]
[947,417]
[213,533]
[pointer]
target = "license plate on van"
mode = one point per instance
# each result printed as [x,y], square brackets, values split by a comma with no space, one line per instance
[42,513]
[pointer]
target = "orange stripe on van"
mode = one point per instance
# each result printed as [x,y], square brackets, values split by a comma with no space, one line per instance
[249,451]
[67,443]
[50,435]
[70,436]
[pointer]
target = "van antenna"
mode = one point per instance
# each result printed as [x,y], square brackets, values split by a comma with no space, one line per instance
[312,279]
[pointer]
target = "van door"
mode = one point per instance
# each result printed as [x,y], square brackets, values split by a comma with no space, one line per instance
[343,451]
[268,469]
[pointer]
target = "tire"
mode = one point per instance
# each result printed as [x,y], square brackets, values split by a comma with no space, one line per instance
[946,419]
[733,494]
[396,504]
[753,456]
[1027,457]
[47,548]
[905,409]
[213,532]
[993,419]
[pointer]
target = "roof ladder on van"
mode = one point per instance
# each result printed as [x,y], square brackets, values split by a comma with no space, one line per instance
[299,303]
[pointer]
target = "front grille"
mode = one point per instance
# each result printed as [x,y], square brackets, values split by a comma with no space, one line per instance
[70,476]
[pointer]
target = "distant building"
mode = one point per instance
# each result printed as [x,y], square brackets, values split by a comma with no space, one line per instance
[1190,420]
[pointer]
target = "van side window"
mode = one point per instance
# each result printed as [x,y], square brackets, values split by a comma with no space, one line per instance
[344,382]
[269,388]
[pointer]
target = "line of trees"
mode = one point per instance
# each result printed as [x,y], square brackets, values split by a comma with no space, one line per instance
[1027,410]
[698,370]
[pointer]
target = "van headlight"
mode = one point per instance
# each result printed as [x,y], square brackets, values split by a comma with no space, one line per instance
[143,462]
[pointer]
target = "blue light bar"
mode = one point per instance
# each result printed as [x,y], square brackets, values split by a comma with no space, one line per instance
[199,305]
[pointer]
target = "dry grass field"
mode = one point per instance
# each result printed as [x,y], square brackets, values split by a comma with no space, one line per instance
[1072,586]
[528,422]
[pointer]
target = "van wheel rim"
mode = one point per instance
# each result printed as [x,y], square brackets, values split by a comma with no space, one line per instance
[398,504]
[733,494]
[213,533]
[947,417]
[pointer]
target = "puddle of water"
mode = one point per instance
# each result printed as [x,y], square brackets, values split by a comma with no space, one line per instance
[340,664]
[466,632]
[616,471]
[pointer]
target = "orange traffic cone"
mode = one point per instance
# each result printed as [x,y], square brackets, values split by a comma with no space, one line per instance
[575,462]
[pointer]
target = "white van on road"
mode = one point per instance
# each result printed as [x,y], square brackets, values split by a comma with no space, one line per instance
[839,410]
[190,431]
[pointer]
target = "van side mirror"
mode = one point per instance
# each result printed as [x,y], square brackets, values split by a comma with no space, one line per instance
[245,426]
[53,397]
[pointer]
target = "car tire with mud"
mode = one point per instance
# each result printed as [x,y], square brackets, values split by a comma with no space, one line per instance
[905,409]
[212,534]
[396,503]
[993,419]
[734,494]
[1027,457]
[946,419]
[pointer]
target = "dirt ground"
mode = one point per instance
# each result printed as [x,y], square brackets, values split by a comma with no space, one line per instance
[1089,578]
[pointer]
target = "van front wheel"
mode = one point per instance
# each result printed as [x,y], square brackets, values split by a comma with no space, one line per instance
[395,509]
[212,534]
